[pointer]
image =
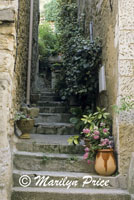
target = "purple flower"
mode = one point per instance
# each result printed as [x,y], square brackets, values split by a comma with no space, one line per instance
[86,130]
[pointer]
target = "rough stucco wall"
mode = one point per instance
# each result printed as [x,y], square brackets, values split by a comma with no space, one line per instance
[126,81]
[105,26]
[22,51]
[105,21]
[7,57]
[35,53]
[114,24]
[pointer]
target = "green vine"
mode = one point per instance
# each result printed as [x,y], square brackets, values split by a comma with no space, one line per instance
[81,58]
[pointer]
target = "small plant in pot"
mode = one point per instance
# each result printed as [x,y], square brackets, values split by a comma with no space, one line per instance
[25,123]
[99,142]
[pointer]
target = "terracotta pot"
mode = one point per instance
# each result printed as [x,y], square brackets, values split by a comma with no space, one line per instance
[25,126]
[87,142]
[105,163]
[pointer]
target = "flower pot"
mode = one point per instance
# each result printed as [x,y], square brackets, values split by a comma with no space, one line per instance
[25,125]
[105,163]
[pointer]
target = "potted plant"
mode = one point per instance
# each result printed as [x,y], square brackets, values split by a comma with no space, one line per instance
[99,142]
[25,123]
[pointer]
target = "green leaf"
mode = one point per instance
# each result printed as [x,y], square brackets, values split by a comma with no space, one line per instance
[73,120]
[99,116]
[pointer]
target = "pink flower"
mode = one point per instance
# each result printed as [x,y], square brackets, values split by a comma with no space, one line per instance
[102,124]
[105,130]
[86,149]
[85,156]
[86,130]
[106,140]
[96,137]
[88,161]
[104,143]
[96,132]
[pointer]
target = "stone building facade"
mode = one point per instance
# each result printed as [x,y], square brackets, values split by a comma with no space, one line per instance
[114,22]
[14,40]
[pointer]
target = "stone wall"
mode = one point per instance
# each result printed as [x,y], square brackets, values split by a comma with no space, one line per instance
[14,38]
[125,121]
[22,49]
[22,28]
[113,22]
[7,57]
[35,54]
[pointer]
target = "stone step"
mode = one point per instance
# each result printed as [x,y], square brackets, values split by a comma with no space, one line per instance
[54,128]
[54,109]
[48,94]
[51,162]
[66,194]
[49,98]
[82,179]
[39,97]
[51,103]
[47,90]
[48,144]
[53,117]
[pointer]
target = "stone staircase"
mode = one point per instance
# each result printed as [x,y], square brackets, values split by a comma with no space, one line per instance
[47,155]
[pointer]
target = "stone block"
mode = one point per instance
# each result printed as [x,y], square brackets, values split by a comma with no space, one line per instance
[126,86]
[7,15]
[6,62]
[126,47]
[126,67]
[51,162]
[126,147]
[131,176]
[126,13]
[72,193]
[7,42]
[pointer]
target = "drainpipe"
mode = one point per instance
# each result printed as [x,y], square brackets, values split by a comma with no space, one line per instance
[30,53]
[91,31]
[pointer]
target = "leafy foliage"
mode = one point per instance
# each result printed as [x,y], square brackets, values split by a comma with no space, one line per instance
[48,43]
[20,115]
[50,10]
[77,113]
[81,58]
[126,104]
[95,119]
[96,131]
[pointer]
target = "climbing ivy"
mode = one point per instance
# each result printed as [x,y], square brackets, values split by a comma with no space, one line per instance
[81,57]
